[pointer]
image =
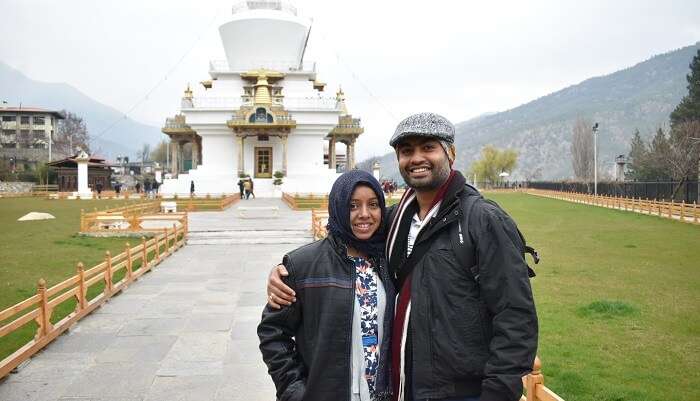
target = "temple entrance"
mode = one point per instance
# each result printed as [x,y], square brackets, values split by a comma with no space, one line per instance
[263,162]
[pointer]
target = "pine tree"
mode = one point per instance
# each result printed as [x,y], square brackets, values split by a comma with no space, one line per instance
[638,159]
[689,107]
[659,154]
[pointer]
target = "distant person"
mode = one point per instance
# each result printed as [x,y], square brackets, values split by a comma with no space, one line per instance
[191,188]
[240,187]
[138,187]
[156,185]
[117,188]
[252,187]
[98,188]
[147,187]
[248,187]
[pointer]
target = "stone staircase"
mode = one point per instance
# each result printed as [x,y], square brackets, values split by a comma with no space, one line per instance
[258,236]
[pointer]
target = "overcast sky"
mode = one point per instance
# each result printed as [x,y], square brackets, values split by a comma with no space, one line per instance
[392,58]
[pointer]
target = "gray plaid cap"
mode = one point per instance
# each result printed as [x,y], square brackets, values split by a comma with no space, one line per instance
[424,124]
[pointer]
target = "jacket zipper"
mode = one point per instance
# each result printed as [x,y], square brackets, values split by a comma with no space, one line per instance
[352,316]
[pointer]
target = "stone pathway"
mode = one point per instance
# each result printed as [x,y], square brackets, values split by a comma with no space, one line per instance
[185,331]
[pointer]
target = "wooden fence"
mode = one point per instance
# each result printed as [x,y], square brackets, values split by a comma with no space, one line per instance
[685,212]
[319,219]
[533,383]
[302,201]
[133,263]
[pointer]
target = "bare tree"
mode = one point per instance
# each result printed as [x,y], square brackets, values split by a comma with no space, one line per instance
[160,153]
[684,152]
[71,133]
[582,150]
[144,155]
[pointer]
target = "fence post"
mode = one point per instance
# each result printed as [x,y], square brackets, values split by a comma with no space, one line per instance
[175,242]
[670,209]
[167,241]
[695,212]
[534,379]
[108,273]
[43,320]
[683,211]
[129,266]
[157,253]
[81,287]
[144,254]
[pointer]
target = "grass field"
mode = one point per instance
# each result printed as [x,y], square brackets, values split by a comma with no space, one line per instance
[48,249]
[618,293]
[618,298]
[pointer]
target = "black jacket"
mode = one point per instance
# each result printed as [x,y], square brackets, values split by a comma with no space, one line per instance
[466,337]
[307,346]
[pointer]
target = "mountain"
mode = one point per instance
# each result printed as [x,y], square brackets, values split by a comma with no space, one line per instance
[125,138]
[639,97]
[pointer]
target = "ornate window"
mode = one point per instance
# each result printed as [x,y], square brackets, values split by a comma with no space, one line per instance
[261,116]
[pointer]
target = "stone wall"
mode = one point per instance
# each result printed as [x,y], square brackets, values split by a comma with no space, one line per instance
[16,186]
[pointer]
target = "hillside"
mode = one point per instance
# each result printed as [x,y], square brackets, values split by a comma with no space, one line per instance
[125,138]
[640,97]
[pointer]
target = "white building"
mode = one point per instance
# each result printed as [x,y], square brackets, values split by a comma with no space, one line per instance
[261,111]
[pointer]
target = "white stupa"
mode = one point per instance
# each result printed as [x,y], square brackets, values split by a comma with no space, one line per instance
[262,110]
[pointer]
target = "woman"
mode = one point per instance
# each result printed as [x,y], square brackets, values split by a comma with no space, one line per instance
[333,343]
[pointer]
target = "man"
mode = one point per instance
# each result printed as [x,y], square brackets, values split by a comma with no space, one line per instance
[458,336]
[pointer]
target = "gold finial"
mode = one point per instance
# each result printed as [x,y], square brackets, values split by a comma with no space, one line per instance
[340,95]
[262,90]
[340,102]
[188,92]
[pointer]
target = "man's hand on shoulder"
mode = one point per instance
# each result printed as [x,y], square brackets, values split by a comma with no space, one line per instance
[278,293]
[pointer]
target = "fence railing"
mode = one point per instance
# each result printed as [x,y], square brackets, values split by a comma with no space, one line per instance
[664,191]
[305,201]
[319,219]
[679,211]
[132,263]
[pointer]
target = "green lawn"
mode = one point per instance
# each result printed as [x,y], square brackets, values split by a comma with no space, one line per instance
[48,249]
[618,298]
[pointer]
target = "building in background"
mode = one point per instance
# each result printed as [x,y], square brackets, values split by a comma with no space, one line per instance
[25,134]
[99,172]
[260,111]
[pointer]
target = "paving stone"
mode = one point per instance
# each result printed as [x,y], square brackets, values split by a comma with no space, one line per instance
[257,386]
[245,330]
[74,342]
[137,348]
[209,322]
[153,326]
[115,380]
[184,388]
[202,347]
[241,352]
[176,368]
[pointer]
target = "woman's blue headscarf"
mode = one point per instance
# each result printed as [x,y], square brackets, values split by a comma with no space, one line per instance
[339,212]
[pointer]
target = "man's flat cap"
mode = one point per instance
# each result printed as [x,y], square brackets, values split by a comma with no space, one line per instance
[424,124]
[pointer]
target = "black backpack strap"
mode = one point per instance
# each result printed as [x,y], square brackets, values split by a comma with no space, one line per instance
[461,241]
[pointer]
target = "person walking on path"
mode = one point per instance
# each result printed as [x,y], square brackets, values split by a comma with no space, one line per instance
[138,187]
[248,187]
[252,187]
[191,189]
[333,343]
[240,187]
[465,325]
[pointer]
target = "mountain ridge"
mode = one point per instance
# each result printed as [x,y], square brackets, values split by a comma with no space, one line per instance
[125,138]
[637,97]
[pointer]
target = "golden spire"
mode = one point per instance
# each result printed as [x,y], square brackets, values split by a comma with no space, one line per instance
[188,92]
[340,102]
[262,90]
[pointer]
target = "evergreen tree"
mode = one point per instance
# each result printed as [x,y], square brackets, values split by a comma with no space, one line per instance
[689,107]
[659,154]
[638,159]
